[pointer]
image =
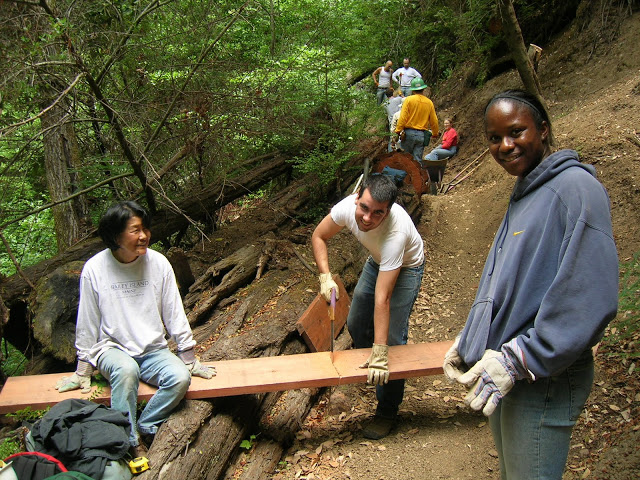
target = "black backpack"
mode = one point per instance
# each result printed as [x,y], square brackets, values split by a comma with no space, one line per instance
[34,465]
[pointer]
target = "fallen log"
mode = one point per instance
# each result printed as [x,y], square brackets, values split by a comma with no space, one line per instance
[200,206]
[258,319]
[261,322]
[221,279]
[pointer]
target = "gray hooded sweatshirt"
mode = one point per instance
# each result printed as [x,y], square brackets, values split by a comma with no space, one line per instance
[551,277]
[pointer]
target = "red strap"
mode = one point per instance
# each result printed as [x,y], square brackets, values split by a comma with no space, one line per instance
[39,454]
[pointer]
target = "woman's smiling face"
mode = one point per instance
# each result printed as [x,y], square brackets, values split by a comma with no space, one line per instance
[133,241]
[515,141]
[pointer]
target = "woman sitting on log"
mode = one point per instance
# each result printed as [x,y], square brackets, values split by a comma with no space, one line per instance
[128,297]
[448,147]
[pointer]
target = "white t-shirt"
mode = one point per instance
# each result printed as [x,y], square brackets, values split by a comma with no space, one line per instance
[128,306]
[404,76]
[393,244]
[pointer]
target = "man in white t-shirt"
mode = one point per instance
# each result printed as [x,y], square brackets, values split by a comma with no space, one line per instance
[129,303]
[404,75]
[387,288]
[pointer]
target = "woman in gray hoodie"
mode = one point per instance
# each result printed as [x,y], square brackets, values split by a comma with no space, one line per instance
[548,290]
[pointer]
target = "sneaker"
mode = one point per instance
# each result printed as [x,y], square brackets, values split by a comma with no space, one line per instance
[378,428]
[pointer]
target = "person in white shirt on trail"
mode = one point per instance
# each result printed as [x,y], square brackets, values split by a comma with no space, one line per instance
[404,75]
[128,300]
[387,288]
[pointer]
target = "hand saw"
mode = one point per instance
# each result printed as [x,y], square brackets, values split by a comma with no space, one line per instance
[332,316]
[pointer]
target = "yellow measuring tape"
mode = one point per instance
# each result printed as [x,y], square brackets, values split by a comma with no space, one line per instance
[139,465]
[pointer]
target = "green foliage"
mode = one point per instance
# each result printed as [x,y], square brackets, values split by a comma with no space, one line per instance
[28,415]
[22,189]
[31,240]
[314,214]
[194,82]
[623,337]
[325,160]
[247,444]
[13,361]
[9,446]
[100,383]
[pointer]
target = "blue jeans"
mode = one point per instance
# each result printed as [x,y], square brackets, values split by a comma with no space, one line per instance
[381,94]
[160,368]
[414,143]
[361,328]
[406,91]
[532,424]
[440,153]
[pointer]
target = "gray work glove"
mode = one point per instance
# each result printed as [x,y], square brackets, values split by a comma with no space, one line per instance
[493,376]
[80,379]
[199,370]
[378,365]
[326,285]
[195,367]
[452,361]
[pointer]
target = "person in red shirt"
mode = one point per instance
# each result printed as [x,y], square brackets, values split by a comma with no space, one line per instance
[448,147]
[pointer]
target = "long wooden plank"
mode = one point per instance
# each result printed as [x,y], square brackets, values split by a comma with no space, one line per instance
[244,376]
[405,361]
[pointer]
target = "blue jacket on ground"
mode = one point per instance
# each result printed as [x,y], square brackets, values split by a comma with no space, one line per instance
[551,277]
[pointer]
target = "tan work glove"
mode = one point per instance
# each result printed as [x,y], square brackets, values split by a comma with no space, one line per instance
[195,367]
[326,284]
[489,381]
[452,360]
[80,379]
[378,365]
[202,371]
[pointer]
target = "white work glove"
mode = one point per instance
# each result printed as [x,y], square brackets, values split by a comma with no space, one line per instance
[199,370]
[378,365]
[80,379]
[493,376]
[453,360]
[195,367]
[326,285]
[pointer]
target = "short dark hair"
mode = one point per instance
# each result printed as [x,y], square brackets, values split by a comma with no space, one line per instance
[382,188]
[538,111]
[114,221]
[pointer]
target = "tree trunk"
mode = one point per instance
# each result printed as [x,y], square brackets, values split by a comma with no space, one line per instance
[513,37]
[61,159]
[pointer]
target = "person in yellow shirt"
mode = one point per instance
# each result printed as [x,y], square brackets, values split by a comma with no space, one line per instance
[416,117]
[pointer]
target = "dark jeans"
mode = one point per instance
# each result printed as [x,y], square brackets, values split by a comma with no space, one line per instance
[360,323]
